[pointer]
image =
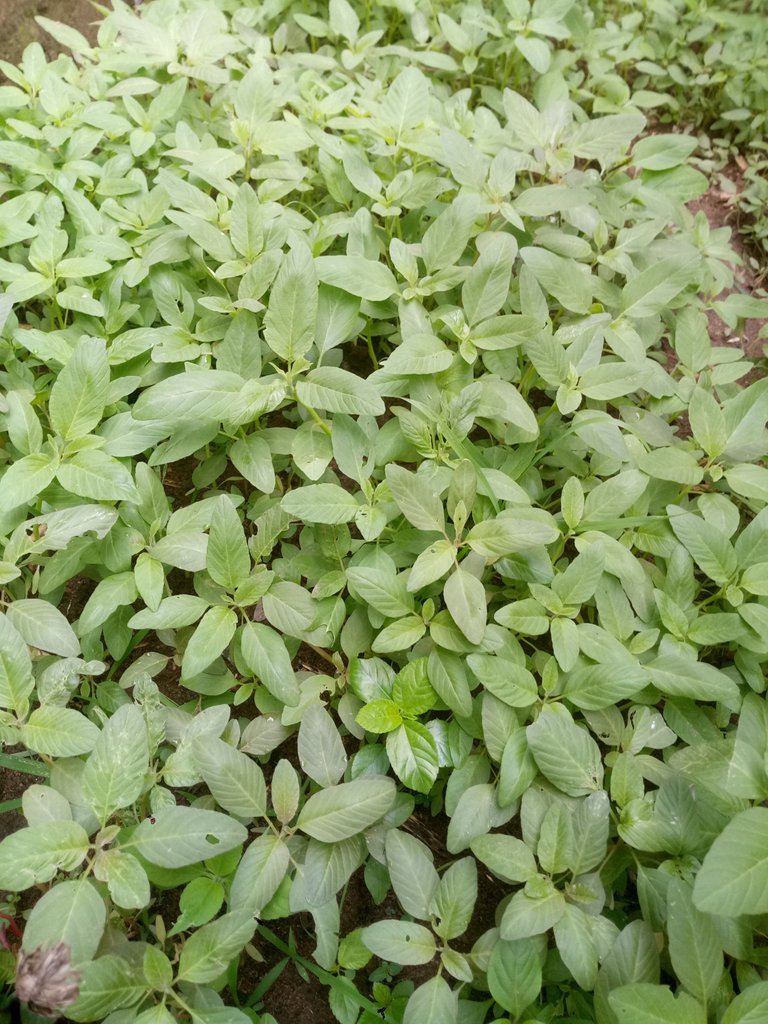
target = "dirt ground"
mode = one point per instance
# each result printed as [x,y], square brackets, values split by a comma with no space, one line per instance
[18,27]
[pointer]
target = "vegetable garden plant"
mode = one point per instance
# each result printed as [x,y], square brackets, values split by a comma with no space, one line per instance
[356,377]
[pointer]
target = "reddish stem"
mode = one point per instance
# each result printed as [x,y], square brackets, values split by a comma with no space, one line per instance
[13,927]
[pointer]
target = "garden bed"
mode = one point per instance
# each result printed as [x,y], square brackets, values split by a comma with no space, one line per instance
[382,514]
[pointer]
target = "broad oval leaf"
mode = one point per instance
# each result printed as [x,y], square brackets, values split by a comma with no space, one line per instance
[514,973]
[414,876]
[434,1002]
[366,278]
[336,390]
[654,1004]
[733,879]
[71,912]
[266,655]
[59,732]
[259,873]
[208,951]
[565,753]
[412,752]
[404,942]
[416,498]
[44,626]
[235,780]
[321,503]
[177,836]
[465,599]
[321,751]
[513,684]
[200,396]
[113,776]
[16,681]
[344,810]
[80,391]
[35,854]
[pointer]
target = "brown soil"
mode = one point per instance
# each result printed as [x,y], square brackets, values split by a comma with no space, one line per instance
[18,27]
[291,997]
[12,785]
[177,481]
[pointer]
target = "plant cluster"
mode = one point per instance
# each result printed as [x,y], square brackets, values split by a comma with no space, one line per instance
[700,64]
[356,377]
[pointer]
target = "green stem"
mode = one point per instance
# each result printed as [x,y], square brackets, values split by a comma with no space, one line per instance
[371,353]
[321,653]
[135,641]
[324,976]
[320,422]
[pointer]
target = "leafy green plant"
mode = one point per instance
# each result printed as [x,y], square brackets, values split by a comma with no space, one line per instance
[365,459]
[754,199]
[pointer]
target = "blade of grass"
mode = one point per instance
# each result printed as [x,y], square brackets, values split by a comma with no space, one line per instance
[17,763]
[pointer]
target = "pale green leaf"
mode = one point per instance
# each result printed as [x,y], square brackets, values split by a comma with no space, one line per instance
[114,772]
[80,391]
[412,752]
[565,753]
[259,873]
[289,323]
[432,1003]
[406,101]
[327,867]
[341,811]
[416,499]
[355,275]
[511,683]
[733,878]
[35,854]
[321,751]
[694,945]
[414,877]
[208,951]
[106,984]
[654,1004]
[235,780]
[59,732]
[126,879]
[71,912]
[266,655]
[652,289]
[212,636]
[25,478]
[16,681]
[246,230]
[199,396]
[44,626]
[177,836]
[336,390]
[403,942]
[93,474]
[454,900]
[321,503]
[227,559]
[464,596]
[514,973]
[506,856]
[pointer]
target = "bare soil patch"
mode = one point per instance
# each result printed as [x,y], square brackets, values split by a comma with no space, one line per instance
[18,27]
